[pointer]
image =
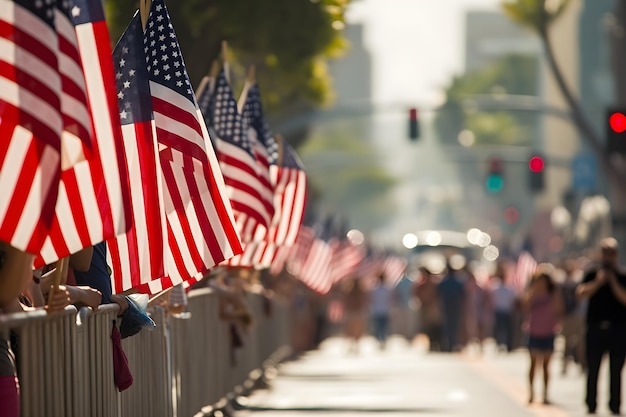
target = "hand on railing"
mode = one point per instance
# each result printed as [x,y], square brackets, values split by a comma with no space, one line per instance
[83,296]
[59,299]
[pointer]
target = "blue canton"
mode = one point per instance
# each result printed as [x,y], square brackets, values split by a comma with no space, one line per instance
[86,11]
[163,56]
[131,77]
[226,120]
[43,9]
[253,116]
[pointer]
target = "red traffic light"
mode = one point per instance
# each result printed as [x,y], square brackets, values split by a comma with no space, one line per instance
[617,122]
[413,114]
[536,164]
[495,165]
[511,215]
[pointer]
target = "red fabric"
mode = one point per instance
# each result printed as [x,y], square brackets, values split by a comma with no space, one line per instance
[121,372]
[9,396]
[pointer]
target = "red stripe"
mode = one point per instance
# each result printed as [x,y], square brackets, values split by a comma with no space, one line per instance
[116,265]
[178,114]
[13,33]
[181,144]
[219,202]
[172,188]
[42,131]
[203,219]
[105,66]
[152,201]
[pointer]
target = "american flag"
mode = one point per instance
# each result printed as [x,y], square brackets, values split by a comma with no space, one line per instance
[137,257]
[249,190]
[288,179]
[310,261]
[393,267]
[371,265]
[93,202]
[201,228]
[525,267]
[345,259]
[31,119]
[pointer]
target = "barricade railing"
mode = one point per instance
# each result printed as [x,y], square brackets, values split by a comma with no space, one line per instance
[65,359]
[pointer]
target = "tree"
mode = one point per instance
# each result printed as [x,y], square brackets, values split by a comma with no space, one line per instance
[288,42]
[538,16]
[346,176]
[512,74]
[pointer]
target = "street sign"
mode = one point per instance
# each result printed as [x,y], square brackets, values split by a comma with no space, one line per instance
[584,172]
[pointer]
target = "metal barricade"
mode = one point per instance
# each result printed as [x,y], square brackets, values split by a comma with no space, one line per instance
[65,359]
[148,358]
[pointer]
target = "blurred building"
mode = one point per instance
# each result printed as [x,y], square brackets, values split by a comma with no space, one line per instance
[353,86]
[581,45]
[491,35]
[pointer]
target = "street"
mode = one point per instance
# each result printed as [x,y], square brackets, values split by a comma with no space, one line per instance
[405,380]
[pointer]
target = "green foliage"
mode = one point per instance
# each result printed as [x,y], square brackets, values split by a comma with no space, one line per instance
[288,41]
[513,74]
[536,15]
[345,176]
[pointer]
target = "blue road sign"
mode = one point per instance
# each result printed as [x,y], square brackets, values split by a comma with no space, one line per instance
[584,172]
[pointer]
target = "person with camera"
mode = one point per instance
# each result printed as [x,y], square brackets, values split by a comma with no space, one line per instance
[605,288]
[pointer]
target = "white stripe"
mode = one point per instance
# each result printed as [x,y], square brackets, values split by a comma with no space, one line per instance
[47,251]
[12,166]
[29,23]
[71,69]
[140,228]
[180,188]
[29,103]
[72,151]
[30,64]
[42,181]
[64,213]
[105,134]
[163,121]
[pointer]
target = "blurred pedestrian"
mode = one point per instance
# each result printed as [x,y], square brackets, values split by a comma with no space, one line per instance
[606,324]
[504,304]
[355,312]
[380,305]
[475,302]
[429,308]
[573,317]
[451,294]
[543,308]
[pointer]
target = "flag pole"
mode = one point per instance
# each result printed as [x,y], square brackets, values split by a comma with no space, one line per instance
[215,71]
[252,74]
[225,59]
[144,11]
[281,148]
[204,84]
[250,80]
[60,276]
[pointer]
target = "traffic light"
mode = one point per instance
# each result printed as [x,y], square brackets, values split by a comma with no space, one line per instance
[616,131]
[536,168]
[511,215]
[495,178]
[414,124]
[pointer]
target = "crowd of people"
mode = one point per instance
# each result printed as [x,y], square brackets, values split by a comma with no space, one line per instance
[580,303]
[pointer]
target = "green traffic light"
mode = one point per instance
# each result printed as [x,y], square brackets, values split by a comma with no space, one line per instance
[494,183]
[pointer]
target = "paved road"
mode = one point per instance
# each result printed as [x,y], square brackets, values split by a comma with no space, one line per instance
[407,381]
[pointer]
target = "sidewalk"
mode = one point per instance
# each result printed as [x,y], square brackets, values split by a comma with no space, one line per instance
[405,380]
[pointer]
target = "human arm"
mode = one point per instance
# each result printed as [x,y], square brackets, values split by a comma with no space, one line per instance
[618,290]
[84,296]
[81,260]
[591,285]
[15,273]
